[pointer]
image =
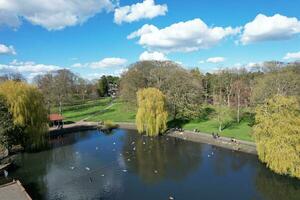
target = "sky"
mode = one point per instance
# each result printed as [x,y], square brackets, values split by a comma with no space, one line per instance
[101,37]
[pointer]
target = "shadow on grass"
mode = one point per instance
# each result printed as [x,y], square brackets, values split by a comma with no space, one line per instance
[68,122]
[177,123]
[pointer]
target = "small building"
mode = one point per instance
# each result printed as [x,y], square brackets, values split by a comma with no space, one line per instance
[56,120]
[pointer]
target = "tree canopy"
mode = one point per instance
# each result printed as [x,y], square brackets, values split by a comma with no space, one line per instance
[182,87]
[151,116]
[277,134]
[6,125]
[26,104]
[102,86]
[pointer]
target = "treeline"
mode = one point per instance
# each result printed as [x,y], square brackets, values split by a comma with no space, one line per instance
[230,90]
[64,87]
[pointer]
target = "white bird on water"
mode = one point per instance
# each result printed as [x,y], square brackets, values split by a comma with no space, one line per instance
[5,173]
[87,168]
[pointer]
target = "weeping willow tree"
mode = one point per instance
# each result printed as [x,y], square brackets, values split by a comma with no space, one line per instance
[151,117]
[277,135]
[26,104]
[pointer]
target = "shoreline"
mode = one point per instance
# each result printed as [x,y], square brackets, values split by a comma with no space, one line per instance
[224,142]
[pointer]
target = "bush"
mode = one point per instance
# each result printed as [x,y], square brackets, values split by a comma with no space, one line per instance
[109,125]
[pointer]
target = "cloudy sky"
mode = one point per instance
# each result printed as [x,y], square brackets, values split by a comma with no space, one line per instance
[95,37]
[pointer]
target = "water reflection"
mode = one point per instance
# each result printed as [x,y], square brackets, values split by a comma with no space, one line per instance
[275,187]
[161,158]
[125,165]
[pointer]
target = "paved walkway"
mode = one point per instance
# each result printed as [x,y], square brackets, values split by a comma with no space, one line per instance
[239,145]
[13,191]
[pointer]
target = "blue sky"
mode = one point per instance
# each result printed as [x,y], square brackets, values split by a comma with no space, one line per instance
[91,37]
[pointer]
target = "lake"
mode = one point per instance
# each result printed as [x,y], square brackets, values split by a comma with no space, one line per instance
[126,165]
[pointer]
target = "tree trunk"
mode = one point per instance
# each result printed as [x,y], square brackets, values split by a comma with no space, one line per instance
[238,107]
[60,107]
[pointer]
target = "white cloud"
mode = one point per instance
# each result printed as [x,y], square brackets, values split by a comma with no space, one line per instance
[181,37]
[153,56]
[295,55]
[28,69]
[93,76]
[108,62]
[104,63]
[264,28]
[51,14]
[253,64]
[215,60]
[9,50]
[145,10]
[77,65]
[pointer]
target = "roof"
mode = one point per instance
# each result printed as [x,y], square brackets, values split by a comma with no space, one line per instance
[55,117]
[13,190]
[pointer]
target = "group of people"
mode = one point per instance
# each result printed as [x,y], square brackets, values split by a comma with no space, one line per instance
[179,129]
[215,135]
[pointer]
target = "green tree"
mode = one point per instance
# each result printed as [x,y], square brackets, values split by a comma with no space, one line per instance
[151,116]
[102,86]
[6,125]
[26,104]
[182,88]
[277,134]
[277,80]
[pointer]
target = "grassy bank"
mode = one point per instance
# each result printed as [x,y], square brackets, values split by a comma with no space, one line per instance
[74,113]
[240,131]
[117,111]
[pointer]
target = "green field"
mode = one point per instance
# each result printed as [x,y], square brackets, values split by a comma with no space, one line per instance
[240,131]
[79,112]
[98,110]
[117,111]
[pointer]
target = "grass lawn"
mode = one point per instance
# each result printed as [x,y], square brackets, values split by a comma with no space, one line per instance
[118,112]
[76,113]
[240,131]
[100,110]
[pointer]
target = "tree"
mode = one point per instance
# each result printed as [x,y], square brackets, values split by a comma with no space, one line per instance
[81,87]
[102,86]
[277,134]
[151,116]
[6,125]
[26,104]
[241,93]
[58,87]
[181,87]
[277,80]
[223,115]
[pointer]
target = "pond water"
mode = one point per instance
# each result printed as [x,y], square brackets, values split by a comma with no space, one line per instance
[125,165]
